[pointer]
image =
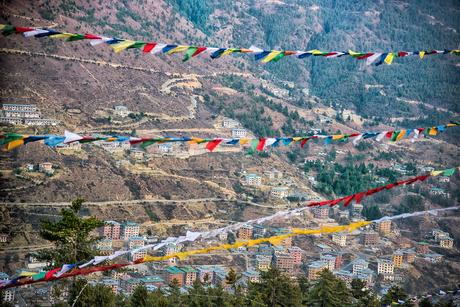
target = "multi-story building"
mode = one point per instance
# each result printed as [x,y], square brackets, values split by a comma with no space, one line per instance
[229,123]
[409,255]
[385,266]
[121,111]
[279,192]
[245,232]
[25,114]
[4,238]
[104,246]
[129,284]
[19,107]
[321,212]
[206,273]
[250,276]
[284,262]
[286,242]
[253,180]
[433,258]
[239,133]
[46,167]
[153,281]
[111,283]
[190,275]
[371,238]
[8,294]
[339,239]
[329,260]
[111,230]
[438,234]
[384,227]
[263,262]
[359,265]
[129,229]
[314,268]
[446,243]
[346,276]
[296,253]
[357,209]
[398,258]
[423,248]
[136,242]
[41,122]
[172,273]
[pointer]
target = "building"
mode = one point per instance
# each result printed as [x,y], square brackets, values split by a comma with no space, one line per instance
[4,238]
[114,146]
[245,232]
[239,133]
[250,276]
[41,122]
[286,242]
[398,258]
[24,114]
[433,258]
[34,262]
[357,209]
[172,273]
[438,234]
[105,246]
[371,238]
[346,276]
[384,227]
[314,268]
[19,107]
[359,265]
[129,229]
[409,255]
[339,239]
[329,260]
[263,262]
[279,192]
[111,230]
[46,167]
[8,294]
[136,154]
[128,284]
[321,212]
[385,266]
[253,180]
[423,248]
[284,262]
[111,283]
[190,275]
[136,242]
[229,123]
[274,174]
[439,192]
[206,273]
[121,111]
[152,281]
[296,253]
[446,243]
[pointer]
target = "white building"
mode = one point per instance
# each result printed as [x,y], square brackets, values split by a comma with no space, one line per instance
[385,266]
[253,180]
[121,111]
[279,192]
[359,265]
[239,133]
[339,239]
[229,123]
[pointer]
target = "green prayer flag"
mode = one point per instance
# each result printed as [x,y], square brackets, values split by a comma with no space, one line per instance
[188,54]
[39,276]
[137,45]
[75,37]
[395,135]
[449,172]
[10,137]
[8,30]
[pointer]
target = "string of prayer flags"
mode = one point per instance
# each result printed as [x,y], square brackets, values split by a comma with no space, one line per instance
[71,270]
[10,141]
[190,51]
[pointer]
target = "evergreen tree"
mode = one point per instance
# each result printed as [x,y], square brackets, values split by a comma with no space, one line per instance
[83,294]
[275,289]
[396,294]
[139,297]
[71,236]
[329,291]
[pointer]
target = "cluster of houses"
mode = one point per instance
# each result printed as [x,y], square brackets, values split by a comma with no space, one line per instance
[44,167]
[280,186]
[24,114]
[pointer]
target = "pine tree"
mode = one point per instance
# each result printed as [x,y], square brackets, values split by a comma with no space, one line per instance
[275,289]
[139,297]
[84,294]
[329,291]
[396,294]
[71,235]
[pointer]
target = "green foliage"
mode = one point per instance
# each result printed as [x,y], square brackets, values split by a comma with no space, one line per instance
[411,203]
[275,289]
[83,294]
[139,297]
[197,11]
[329,291]
[394,294]
[371,212]
[71,236]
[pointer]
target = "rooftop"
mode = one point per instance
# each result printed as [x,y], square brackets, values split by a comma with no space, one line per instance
[174,270]
[150,279]
[188,269]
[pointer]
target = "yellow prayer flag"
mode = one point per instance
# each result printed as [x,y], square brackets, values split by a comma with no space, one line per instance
[336,137]
[315,51]
[436,173]
[421,54]
[14,144]
[271,56]
[244,141]
[353,53]
[297,138]
[119,47]
[178,49]
[389,58]
[228,51]
[62,35]
[2,27]
[433,131]
[401,134]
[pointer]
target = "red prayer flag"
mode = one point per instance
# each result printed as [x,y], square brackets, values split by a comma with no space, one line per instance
[22,29]
[402,54]
[49,274]
[261,144]
[91,36]
[211,145]
[365,56]
[148,47]
[198,51]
